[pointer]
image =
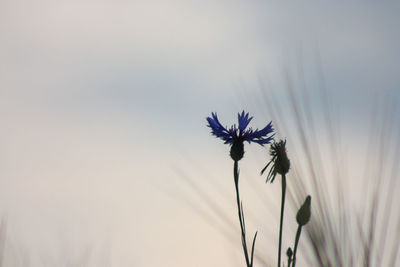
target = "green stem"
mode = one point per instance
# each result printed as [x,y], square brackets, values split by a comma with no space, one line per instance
[281,221]
[296,243]
[240,213]
[289,260]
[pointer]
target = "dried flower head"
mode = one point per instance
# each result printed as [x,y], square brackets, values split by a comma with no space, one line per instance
[235,136]
[304,213]
[280,161]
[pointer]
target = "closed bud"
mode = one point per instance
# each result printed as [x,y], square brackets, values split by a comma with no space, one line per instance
[304,213]
[289,253]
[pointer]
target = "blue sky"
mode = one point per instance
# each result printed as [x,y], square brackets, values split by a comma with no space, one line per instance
[101,100]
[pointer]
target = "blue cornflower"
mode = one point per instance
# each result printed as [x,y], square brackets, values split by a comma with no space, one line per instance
[235,136]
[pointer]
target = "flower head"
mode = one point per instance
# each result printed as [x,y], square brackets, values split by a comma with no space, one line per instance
[280,161]
[236,135]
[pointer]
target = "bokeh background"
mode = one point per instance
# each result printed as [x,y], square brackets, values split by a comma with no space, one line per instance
[105,157]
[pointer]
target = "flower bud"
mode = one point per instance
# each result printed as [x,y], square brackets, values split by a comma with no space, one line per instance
[289,253]
[304,213]
[237,150]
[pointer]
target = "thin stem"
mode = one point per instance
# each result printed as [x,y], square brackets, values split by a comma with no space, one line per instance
[296,243]
[240,213]
[252,249]
[289,259]
[281,221]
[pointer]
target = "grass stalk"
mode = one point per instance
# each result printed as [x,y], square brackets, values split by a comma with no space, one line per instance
[281,220]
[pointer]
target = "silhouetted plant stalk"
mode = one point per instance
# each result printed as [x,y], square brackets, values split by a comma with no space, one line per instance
[237,152]
[289,254]
[235,137]
[249,260]
[302,217]
[280,164]
[281,220]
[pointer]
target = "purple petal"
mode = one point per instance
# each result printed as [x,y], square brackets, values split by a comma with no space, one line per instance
[243,120]
[263,132]
[217,129]
[240,133]
[260,136]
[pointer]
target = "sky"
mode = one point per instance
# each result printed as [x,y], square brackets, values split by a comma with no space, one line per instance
[103,107]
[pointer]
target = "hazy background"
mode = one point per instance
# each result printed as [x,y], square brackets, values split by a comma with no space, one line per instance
[103,107]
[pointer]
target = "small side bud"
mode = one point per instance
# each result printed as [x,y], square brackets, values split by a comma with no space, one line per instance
[237,150]
[289,253]
[304,213]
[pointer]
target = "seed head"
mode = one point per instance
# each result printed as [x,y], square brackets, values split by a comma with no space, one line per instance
[280,161]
